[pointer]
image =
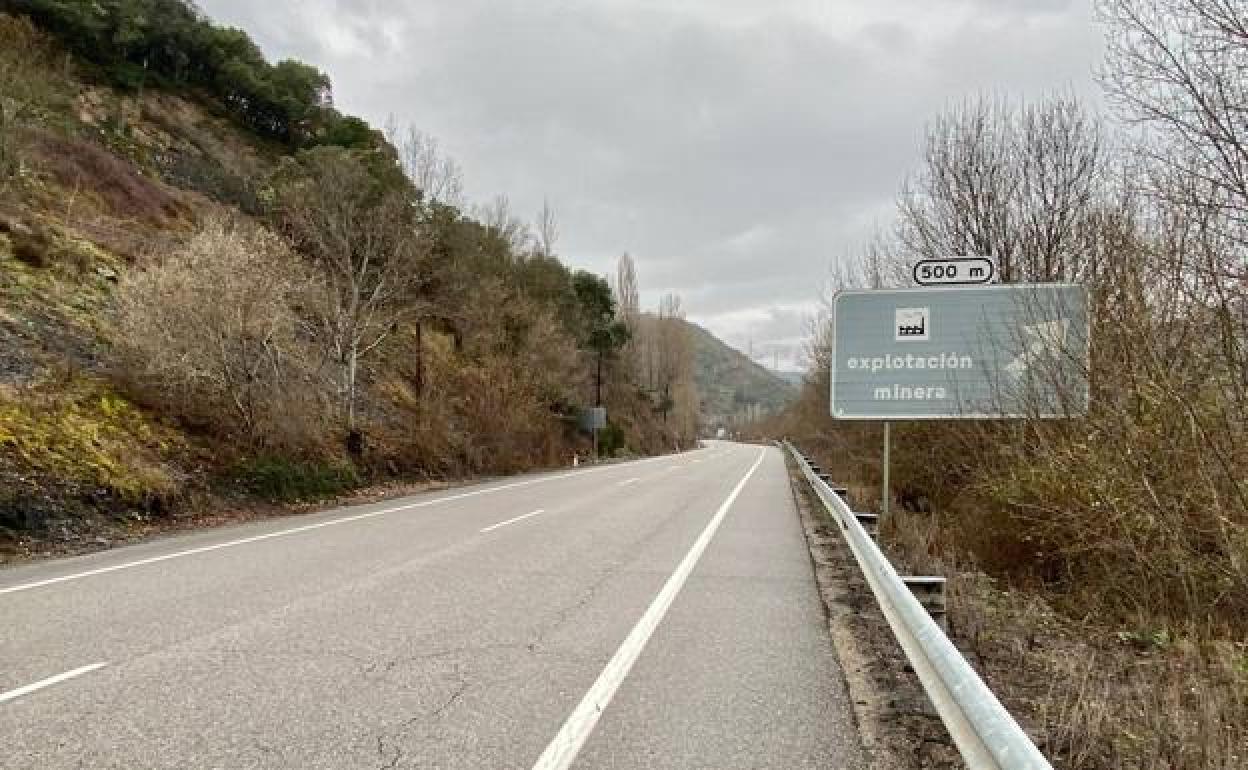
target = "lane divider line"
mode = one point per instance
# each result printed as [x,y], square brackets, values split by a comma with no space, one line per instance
[626,482]
[512,521]
[42,683]
[567,743]
[308,528]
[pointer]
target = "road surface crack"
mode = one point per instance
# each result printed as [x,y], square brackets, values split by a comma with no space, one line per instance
[459,692]
[389,760]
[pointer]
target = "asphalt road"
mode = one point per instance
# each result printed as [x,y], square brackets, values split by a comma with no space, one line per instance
[654,614]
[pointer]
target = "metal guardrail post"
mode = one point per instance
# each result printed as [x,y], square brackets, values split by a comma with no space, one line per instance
[870,522]
[986,735]
[930,591]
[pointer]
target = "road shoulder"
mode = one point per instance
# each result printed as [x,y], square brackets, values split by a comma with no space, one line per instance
[898,728]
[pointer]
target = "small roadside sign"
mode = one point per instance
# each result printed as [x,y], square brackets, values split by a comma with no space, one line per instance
[984,352]
[955,271]
[594,418]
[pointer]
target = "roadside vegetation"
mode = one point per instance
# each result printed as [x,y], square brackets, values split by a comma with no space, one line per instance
[1099,564]
[215,287]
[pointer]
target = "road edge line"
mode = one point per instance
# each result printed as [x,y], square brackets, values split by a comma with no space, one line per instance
[576,729]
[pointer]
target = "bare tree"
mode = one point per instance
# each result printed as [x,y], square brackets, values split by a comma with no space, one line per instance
[369,249]
[956,205]
[1014,183]
[437,176]
[882,262]
[1177,68]
[499,220]
[673,351]
[547,230]
[628,310]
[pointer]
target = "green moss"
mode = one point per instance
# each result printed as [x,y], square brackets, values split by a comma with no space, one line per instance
[70,289]
[86,434]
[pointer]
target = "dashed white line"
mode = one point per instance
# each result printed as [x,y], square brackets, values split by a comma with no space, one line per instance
[42,683]
[306,528]
[626,482]
[513,521]
[563,749]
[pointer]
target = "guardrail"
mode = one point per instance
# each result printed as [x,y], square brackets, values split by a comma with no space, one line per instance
[983,731]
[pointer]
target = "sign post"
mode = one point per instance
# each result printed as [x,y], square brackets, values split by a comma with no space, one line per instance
[593,420]
[981,352]
[885,491]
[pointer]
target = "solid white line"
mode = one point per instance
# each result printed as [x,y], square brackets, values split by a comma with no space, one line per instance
[513,521]
[575,731]
[626,482]
[309,527]
[42,683]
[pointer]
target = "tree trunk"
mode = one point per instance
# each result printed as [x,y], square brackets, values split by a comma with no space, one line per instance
[419,377]
[353,356]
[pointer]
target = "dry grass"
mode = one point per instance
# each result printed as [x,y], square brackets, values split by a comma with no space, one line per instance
[1095,695]
[83,168]
[1109,664]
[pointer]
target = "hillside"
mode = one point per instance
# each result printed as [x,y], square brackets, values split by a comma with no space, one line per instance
[793,378]
[729,383]
[217,291]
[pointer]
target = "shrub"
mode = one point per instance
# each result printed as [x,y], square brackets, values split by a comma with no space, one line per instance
[32,246]
[282,479]
[212,335]
[610,440]
[82,165]
[26,89]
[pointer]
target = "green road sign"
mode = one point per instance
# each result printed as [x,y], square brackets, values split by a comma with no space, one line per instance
[1017,350]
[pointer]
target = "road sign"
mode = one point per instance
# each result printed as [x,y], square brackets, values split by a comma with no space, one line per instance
[594,418]
[1017,350]
[954,271]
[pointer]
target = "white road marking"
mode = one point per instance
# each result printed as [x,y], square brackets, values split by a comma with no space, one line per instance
[308,528]
[626,482]
[563,749]
[42,683]
[513,521]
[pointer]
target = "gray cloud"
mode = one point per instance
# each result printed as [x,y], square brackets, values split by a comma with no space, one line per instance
[734,148]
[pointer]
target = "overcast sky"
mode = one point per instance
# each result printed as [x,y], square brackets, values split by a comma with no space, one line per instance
[736,148]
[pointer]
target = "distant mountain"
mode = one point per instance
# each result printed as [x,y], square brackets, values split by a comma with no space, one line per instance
[729,383]
[793,378]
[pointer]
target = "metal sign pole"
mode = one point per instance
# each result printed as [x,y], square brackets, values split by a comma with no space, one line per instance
[885,494]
